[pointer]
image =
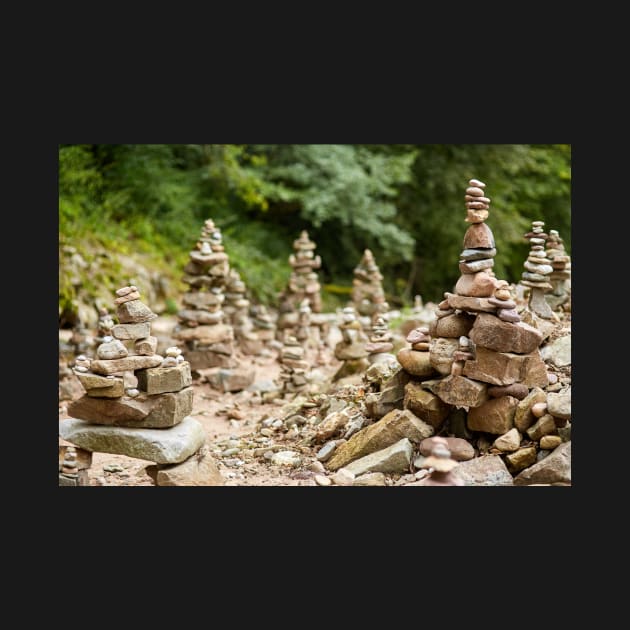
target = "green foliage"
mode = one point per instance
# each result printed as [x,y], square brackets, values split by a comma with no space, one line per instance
[404,202]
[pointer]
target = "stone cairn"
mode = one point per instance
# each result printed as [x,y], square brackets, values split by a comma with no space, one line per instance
[74,464]
[208,340]
[380,338]
[303,284]
[352,347]
[537,270]
[367,293]
[236,308]
[476,372]
[561,272]
[148,420]
[441,465]
[294,369]
[264,325]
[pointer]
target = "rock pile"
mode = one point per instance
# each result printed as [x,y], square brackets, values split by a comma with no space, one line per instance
[294,369]
[537,270]
[367,293]
[149,419]
[560,276]
[236,308]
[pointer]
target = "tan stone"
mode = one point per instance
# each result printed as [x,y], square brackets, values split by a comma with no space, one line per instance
[524,418]
[496,368]
[199,469]
[159,411]
[472,304]
[509,441]
[146,346]
[454,326]
[425,405]
[458,390]
[206,334]
[415,363]
[370,479]
[397,424]
[393,459]
[549,442]
[494,416]
[116,389]
[521,459]
[477,236]
[159,380]
[492,333]
[132,363]
[131,331]
[543,426]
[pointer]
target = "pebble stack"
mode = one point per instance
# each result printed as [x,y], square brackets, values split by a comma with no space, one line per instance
[147,419]
[537,270]
[293,367]
[561,270]
[264,325]
[367,293]
[440,466]
[380,344]
[208,340]
[236,308]
[73,466]
[303,282]
[352,347]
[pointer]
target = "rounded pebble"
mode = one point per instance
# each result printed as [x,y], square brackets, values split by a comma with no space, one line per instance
[539,409]
[321,480]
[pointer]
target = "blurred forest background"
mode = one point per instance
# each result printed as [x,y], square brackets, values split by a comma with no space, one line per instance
[405,202]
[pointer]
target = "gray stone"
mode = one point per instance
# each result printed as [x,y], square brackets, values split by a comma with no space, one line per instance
[114,349]
[555,468]
[159,411]
[326,451]
[476,265]
[559,405]
[160,380]
[441,354]
[163,446]
[132,331]
[393,459]
[558,352]
[477,254]
[488,470]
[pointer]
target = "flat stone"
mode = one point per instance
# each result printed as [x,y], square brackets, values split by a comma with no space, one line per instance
[477,253]
[509,315]
[425,405]
[131,363]
[134,312]
[199,469]
[89,380]
[115,389]
[207,358]
[492,333]
[230,380]
[461,450]
[506,368]
[542,426]
[454,326]
[537,269]
[458,391]
[517,390]
[476,265]
[472,304]
[555,468]
[326,451]
[370,479]
[133,295]
[487,470]
[441,354]
[478,284]
[477,236]
[494,416]
[343,477]
[421,346]
[545,286]
[163,446]
[524,418]
[132,331]
[533,277]
[549,442]
[206,334]
[393,459]
[159,380]
[508,442]
[521,459]
[146,346]
[159,411]
[201,317]
[559,405]
[114,349]
[390,429]
[415,363]
[502,304]
[202,299]
[558,352]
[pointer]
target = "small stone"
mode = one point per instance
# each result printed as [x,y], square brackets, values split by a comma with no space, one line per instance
[322,480]
[550,442]
[326,451]
[474,191]
[502,302]
[370,479]
[132,392]
[509,441]
[286,458]
[539,409]
[543,426]
[508,315]
[521,459]
[478,184]
[517,390]
[343,477]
